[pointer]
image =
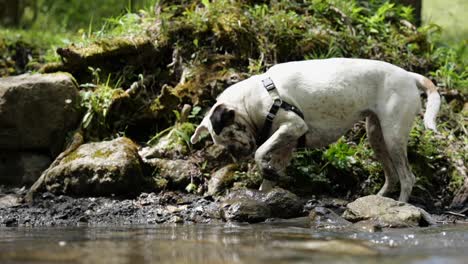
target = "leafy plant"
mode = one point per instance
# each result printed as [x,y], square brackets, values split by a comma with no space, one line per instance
[180,132]
[453,73]
[340,154]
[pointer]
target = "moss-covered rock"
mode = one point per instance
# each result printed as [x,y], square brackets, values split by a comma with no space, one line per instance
[94,169]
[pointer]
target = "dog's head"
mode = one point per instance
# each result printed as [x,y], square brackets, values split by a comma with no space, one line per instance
[227,128]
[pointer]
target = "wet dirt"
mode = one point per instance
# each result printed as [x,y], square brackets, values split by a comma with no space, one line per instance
[148,208]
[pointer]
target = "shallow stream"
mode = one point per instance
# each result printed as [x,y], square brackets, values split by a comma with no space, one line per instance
[288,241]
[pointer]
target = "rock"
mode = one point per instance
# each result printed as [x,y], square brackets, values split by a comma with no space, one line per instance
[217,155]
[283,203]
[387,212]
[245,205]
[321,217]
[37,111]
[221,179]
[179,172]
[278,203]
[98,53]
[22,168]
[245,210]
[95,169]
[325,218]
[244,193]
[9,200]
[10,222]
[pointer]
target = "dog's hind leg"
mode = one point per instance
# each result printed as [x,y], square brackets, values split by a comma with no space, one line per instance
[376,140]
[396,122]
[401,164]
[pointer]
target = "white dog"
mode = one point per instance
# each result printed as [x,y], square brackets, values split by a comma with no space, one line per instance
[317,101]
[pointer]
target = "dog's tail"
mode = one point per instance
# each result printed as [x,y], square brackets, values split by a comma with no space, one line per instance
[433,100]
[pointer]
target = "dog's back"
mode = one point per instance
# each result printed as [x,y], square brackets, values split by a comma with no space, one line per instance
[335,93]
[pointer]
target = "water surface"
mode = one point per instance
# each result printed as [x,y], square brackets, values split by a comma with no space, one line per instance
[283,242]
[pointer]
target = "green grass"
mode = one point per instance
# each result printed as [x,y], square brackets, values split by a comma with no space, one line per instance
[40,39]
[44,41]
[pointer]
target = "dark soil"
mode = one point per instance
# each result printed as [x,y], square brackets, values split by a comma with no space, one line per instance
[148,208]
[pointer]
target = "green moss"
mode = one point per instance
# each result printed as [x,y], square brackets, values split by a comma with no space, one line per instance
[157,182]
[456,181]
[160,183]
[101,154]
[165,102]
[109,47]
[72,156]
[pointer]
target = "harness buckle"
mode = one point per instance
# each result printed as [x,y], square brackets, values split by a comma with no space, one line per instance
[270,117]
[268,84]
[277,102]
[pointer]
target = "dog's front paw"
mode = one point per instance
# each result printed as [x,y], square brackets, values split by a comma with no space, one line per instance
[270,174]
[273,175]
[267,186]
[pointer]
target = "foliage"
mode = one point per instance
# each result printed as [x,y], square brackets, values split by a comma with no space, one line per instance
[453,72]
[61,16]
[340,154]
[97,102]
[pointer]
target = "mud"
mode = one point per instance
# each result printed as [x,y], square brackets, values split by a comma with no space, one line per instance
[48,209]
[148,208]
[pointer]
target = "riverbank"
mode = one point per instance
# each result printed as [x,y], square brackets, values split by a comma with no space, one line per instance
[49,210]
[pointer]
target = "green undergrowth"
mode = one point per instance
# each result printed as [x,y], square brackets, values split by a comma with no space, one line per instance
[26,50]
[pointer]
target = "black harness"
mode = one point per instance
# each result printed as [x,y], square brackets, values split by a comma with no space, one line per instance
[277,104]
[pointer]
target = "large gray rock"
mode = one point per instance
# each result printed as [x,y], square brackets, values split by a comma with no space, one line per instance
[37,111]
[244,210]
[22,168]
[283,203]
[387,212]
[248,205]
[94,169]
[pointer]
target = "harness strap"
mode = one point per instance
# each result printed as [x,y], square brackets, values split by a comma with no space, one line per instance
[277,104]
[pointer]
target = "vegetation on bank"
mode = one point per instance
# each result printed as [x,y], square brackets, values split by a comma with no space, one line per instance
[136,71]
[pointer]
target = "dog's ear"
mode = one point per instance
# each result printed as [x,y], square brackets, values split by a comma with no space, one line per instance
[198,132]
[221,117]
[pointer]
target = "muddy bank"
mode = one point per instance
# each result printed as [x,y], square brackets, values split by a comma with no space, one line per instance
[148,208]
[172,207]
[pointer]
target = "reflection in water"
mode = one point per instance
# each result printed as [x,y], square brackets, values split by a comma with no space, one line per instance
[289,242]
